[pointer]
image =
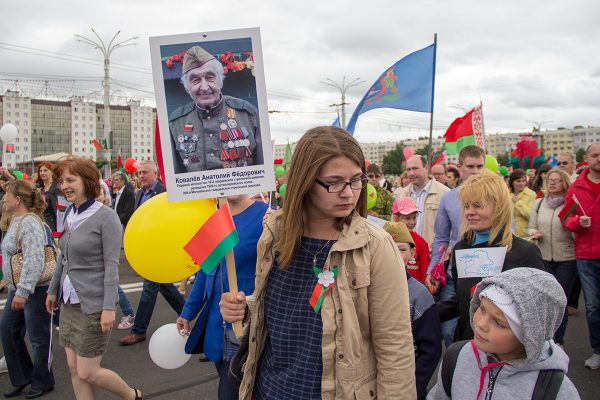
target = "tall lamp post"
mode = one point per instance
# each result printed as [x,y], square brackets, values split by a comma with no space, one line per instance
[106,52]
[342,89]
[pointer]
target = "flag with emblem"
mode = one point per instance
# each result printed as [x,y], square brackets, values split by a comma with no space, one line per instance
[96,144]
[406,85]
[215,238]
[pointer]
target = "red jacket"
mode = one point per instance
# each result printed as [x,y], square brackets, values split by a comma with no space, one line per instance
[419,269]
[587,240]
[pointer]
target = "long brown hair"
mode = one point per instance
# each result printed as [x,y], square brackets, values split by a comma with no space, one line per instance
[49,166]
[30,196]
[487,188]
[315,148]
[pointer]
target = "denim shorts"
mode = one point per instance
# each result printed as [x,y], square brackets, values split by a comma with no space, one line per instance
[82,332]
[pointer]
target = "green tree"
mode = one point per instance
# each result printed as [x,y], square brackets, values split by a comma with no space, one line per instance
[423,151]
[503,159]
[579,155]
[392,161]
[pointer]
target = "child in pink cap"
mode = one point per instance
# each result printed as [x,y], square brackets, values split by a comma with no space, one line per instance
[405,210]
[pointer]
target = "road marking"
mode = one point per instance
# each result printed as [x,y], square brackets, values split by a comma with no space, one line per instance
[127,288]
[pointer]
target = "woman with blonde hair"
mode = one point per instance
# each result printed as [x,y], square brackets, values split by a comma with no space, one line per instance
[554,240]
[24,310]
[487,222]
[330,314]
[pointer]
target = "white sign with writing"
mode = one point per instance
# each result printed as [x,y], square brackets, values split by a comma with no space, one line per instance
[480,262]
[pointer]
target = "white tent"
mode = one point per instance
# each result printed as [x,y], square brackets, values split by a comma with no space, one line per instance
[51,157]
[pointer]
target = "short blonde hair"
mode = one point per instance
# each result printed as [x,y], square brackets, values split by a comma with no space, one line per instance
[564,177]
[487,188]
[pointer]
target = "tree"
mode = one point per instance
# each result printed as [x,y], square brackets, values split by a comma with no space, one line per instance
[392,161]
[423,151]
[579,155]
[503,159]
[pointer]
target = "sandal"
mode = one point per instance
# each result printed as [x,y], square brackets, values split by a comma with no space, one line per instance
[139,394]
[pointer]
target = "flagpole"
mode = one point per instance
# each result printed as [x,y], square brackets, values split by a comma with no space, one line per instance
[483,127]
[430,152]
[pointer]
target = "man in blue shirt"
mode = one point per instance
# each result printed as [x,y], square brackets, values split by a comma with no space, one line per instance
[447,228]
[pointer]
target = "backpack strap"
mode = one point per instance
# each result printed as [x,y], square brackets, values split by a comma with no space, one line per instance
[548,384]
[449,365]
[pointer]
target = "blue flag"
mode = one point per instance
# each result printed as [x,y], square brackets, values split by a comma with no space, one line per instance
[337,123]
[407,85]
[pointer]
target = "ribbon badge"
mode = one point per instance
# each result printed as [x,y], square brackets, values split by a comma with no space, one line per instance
[326,280]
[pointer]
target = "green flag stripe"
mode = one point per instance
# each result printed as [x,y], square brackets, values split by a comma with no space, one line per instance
[219,252]
[571,211]
[455,147]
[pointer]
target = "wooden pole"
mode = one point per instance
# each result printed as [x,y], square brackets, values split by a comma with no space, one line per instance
[231,276]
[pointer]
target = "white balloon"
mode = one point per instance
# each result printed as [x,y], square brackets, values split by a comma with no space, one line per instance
[167,347]
[8,133]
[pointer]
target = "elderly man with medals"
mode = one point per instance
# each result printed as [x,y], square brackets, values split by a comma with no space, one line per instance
[213,131]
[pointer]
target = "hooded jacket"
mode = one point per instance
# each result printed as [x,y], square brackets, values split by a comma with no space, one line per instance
[587,245]
[540,303]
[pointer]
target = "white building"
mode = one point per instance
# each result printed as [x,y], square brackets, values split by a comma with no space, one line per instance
[17,111]
[83,128]
[142,132]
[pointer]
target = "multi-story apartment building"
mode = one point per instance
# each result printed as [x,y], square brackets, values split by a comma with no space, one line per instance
[48,127]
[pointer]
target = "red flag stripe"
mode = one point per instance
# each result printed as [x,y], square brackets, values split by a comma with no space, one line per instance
[212,232]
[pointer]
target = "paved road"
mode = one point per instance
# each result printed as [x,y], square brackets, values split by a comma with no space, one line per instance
[198,381]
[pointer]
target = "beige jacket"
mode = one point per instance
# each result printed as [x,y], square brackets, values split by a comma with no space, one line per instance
[557,243]
[432,204]
[367,339]
[522,211]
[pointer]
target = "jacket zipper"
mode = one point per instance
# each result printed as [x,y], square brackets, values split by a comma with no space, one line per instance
[492,383]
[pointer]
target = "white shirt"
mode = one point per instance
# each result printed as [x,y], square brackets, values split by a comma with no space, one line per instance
[74,219]
[419,198]
[118,197]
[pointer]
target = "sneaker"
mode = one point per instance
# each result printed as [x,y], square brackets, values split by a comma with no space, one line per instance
[3,367]
[593,362]
[126,322]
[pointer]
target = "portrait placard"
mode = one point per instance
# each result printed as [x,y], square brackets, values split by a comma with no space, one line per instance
[480,262]
[212,112]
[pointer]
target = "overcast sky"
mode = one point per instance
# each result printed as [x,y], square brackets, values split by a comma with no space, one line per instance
[525,60]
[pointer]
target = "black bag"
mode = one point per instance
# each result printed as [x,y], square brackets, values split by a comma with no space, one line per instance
[546,387]
[236,365]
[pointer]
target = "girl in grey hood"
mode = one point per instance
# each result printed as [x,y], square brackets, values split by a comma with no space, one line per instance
[514,316]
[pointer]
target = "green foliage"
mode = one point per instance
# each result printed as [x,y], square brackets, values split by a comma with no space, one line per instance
[579,155]
[392,162]
[503,159]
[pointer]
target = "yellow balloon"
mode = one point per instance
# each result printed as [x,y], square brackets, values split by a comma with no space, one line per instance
[158,231]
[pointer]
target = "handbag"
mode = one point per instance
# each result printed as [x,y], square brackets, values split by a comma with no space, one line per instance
[50,256]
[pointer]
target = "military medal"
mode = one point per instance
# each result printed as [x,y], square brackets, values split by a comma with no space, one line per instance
[180,138]
[230,144]
[195,137]
[223,126]
[232,124]
[230,113]
[195,158]
[186,162]
[245,131]
[188,127]
[236,143]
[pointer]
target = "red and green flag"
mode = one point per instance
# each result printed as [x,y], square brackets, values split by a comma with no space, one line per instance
[465,131]
[96,144]
[215,238]
[10,149]
[438,157]
[119,160]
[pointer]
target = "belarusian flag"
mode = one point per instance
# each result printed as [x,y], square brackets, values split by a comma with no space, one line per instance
[214,240]
[438,157]
[10,149]
[465,131]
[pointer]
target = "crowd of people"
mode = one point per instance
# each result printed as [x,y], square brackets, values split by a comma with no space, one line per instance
[334,305]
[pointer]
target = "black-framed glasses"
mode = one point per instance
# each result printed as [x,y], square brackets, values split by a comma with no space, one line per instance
[338,187]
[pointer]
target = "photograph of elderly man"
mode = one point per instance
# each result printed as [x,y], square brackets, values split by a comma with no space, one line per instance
[212,131]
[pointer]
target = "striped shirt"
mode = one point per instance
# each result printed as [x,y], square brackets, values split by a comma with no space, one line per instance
[419,198]
[291,364]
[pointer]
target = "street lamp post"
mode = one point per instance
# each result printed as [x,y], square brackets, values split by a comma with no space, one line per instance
[342,88]
[106,52]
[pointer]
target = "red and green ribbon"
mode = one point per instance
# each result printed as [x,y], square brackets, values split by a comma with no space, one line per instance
[320,290]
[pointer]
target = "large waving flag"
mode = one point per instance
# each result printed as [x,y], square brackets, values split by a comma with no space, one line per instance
[215,238]
[464,131]
[406,85]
